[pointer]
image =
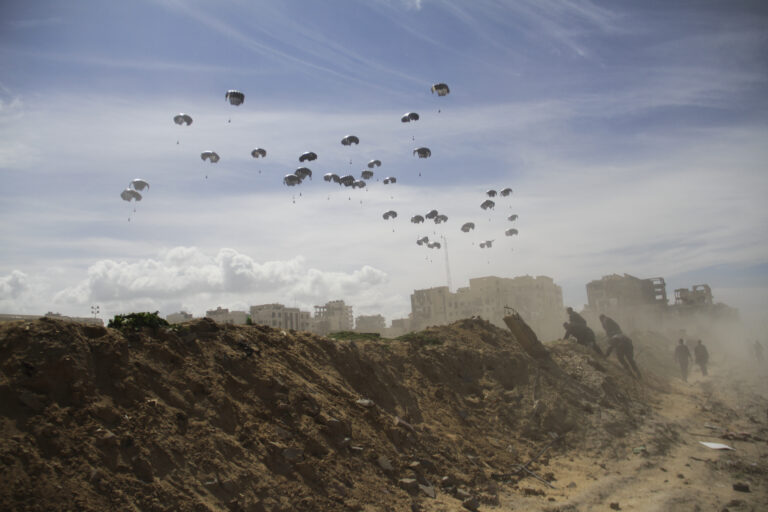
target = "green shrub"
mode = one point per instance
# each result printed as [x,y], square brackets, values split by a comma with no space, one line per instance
[136,321]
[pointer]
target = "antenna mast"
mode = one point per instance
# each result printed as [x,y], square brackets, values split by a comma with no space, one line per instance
[447,264]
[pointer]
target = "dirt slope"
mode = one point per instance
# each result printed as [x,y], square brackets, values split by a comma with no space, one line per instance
[211,417]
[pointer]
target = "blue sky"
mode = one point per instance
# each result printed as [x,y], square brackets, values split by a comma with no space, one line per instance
[633,134]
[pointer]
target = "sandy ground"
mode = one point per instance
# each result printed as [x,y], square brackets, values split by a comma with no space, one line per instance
[674,471]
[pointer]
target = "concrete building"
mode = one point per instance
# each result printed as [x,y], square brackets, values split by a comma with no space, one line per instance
[281,317]
[633,302]
[538,300]
[371,324]
[225,316]
[81,319]
[642,304]
[177,318]
[334,316]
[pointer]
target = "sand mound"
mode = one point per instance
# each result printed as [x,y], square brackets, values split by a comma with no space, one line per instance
[248,418]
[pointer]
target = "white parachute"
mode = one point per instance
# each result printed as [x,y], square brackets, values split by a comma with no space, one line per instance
[182,118]
[235,97]
[211,156]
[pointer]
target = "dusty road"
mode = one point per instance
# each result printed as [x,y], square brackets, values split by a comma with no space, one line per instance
[663,466]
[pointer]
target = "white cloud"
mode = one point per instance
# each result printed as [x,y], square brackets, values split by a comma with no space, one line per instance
[188,275]
[13,285]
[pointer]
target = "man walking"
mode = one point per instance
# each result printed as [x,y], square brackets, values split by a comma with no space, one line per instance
[682,356]
[701,356]
[625,352]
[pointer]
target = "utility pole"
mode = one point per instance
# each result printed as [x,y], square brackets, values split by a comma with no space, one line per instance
[447,264]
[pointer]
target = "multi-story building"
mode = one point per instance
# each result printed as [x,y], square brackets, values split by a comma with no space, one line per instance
[538,300]
[225,316]
[641,304]
[177,318]
[334,316]
[281,317]
[370,323]
[631,301]
[92,320]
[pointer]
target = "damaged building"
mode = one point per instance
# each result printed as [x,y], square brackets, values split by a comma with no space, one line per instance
[538,300]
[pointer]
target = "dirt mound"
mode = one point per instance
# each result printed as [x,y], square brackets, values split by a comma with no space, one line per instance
[248,418]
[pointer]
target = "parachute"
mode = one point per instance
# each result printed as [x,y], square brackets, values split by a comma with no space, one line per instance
[423,240]
[347,180]
[182,119]
[487,204]
[410,116]
[139,184]
[441,218]
[422,152]
[432,214]
[130,195]
[491,193]
[374,163]
[358,184]
[507,191]
[211,156]
[259,152]
[512,217]
[331,176]
[234,97]
[390,179]
[441,89]
[291,180]
[391,214]
[467,226]
[303,172]
[349,140]
[487,244]
[434,245]
[309,155]
[417,219]
[366,174]
[510,232]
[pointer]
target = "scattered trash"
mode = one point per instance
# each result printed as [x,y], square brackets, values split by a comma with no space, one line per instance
[716,446]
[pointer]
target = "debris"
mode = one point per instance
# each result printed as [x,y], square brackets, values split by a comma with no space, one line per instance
[615,505]
[639,449]
[365,402]
[716,446]
[470,503]
[410,485]
[741,487]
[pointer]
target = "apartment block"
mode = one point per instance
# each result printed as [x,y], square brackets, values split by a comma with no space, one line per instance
[334,316]
[537,299]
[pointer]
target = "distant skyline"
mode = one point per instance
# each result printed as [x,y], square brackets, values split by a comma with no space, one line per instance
[633,135]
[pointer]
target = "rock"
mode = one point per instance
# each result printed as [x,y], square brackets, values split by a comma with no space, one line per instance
[293,454]
[736,503]
[571,485]
[462,494]
[470,503]
[446,481]
[384,463]
[741,487]
[365,402]
[428,490]
[615,506]
[143,469]
[410,485]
